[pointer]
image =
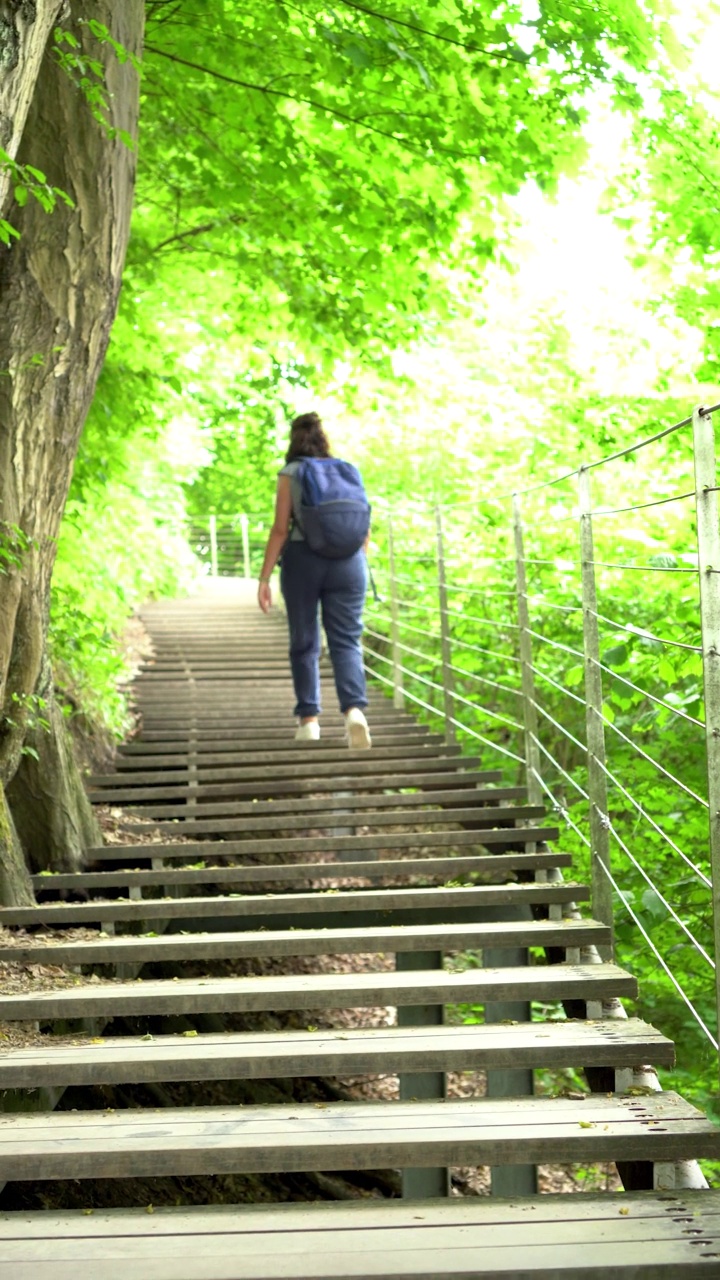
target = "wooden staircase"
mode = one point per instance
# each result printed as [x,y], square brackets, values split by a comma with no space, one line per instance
[311,851]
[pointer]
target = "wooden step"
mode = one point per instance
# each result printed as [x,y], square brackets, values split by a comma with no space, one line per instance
[265,732]
[311,942]
[282,753]
[290,1054]
[324,844]
[320,991]
[454,867]
[233,744]
[266,737]
[343,803]
[329,902]
[200,1140]
[295,785]
[479,816]
[560,1237]
[358,761]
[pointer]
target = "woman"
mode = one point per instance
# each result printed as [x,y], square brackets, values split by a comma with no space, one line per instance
[309,580]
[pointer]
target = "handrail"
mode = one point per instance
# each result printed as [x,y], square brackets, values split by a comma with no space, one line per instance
[442,603]
[601,825]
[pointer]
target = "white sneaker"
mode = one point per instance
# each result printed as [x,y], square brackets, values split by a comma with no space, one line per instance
[356,728]
[309,732]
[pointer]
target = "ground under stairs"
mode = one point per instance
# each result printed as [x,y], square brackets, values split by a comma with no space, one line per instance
[410,850]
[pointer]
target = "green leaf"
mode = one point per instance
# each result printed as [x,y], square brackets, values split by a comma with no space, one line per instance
[615,657]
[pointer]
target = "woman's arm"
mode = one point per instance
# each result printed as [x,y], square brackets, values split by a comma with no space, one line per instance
[277,538]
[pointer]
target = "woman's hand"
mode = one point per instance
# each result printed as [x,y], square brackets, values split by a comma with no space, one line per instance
[264,596]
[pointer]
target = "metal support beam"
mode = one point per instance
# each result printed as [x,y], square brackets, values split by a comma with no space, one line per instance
[708,536]
[422,1184]
[602,900]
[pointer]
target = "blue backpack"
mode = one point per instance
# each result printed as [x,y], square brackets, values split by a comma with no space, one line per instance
[334,506]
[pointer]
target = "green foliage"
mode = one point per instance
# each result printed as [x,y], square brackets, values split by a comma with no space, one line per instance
[28,708]
[88,73]
[28,181]
[14,543]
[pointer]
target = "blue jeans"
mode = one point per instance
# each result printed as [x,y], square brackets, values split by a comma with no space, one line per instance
[338,587]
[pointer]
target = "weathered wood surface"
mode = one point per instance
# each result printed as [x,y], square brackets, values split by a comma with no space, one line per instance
[360,780]
[582,1237]
[291,753]
[201,1140]
[420,864]
[287,1054]
[320,990]
[481,816]
[306,942]
[329,844]
[478,798]
[325,903]
[266,740]
[361,765]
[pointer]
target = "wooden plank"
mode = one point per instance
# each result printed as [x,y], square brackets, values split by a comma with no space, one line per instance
[176,748]
[288,753]
[444,1256]
[356,760]
[427,867]
[229,739]
[325,844]
[309,942]
[332,802]
[480,817]
[328,902]
[320,990]
[291,754]
[283,786]
[649,1210]
[290,1054]
[269,732]
[219,1140]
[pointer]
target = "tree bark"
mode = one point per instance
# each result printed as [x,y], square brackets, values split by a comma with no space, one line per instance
[24,29]
[59,287]
[53,820]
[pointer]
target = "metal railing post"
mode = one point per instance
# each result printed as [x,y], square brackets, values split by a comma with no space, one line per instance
[245,530]
[213,547]
[398,698]
[602,901]
[708,537]
[447,679]
[530,719]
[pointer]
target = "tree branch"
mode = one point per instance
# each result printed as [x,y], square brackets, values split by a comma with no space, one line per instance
[434,35]
[310,102]
[231,219]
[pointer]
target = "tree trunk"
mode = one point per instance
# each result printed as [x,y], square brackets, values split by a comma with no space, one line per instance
[15,885]
[24,29]
[59,287]
[53,819]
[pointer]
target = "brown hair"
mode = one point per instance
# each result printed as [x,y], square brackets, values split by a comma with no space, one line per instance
[307,438]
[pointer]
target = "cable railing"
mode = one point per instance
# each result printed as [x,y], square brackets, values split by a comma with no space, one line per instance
[229,546]
[616,724]
[641,810]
